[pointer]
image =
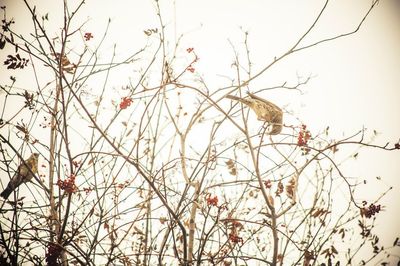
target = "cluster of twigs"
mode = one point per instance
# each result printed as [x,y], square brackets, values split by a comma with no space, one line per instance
[165,170]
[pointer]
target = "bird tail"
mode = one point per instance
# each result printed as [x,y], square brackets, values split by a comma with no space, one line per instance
[6,192]
[276,129]
[245,101]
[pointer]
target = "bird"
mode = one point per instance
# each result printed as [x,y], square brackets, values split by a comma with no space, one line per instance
[265,111]
[22,175]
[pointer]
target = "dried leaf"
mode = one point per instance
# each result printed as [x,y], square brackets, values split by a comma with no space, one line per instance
[149,32]
[231,167]
[396,242]
[334,148]
[291,188]
[279,189]
[15,62]
[66,65]
[271,200]
[334,251]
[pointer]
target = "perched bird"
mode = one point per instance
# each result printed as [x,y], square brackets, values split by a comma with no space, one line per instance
[22,175]
[265,111]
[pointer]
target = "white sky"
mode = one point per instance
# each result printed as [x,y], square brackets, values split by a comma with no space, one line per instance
[355,79]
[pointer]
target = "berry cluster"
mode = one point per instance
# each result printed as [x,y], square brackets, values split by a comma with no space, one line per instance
[88,36]
[87,190]
[190,68]
[53,253]
[234,238]
[371,210]
[125,102]
[68,184]
[234,226]
[304,136]
[268,183]
[212,201]
[302,139]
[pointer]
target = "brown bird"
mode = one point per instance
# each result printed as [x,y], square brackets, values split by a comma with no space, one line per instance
[265,111]
[22,175]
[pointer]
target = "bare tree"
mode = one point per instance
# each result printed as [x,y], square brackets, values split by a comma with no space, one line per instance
[166,170]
